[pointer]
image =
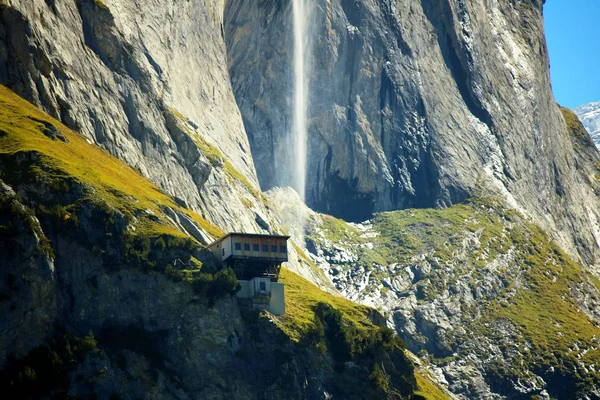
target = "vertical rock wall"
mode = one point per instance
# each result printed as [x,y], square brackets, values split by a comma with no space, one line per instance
[415,104]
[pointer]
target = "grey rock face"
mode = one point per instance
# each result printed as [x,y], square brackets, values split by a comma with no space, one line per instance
[589,114]
[28,303]
[414,104]
[121,73]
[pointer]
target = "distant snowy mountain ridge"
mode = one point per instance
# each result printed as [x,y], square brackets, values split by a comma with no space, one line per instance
[589,114]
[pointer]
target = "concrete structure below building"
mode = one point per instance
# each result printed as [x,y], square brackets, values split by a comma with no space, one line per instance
[264,294]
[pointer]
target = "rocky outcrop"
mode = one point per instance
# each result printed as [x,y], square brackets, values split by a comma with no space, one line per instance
[411,104]
[414,104]
[27,280]
[149,331]
[484,297]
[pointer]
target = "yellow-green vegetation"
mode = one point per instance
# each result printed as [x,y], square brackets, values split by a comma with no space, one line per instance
[333,325]
[429,390]
[545,312]
[92,202]
[75,185]
[436,233]
[83,194]
[302,298]
[441,232]
[338,230]
[22,128]
[578,132]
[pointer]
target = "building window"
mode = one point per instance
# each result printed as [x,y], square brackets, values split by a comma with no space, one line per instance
[223,251]
[263,286]
[255,247]
[282,249]
[246,246]
[238,246]
[265,248]
[273,249]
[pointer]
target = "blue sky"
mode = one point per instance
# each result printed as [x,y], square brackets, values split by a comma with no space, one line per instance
[573,35]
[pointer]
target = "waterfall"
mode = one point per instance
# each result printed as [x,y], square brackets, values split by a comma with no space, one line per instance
[299,133]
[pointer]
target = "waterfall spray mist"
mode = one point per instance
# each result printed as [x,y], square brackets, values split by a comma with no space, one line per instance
[300,98]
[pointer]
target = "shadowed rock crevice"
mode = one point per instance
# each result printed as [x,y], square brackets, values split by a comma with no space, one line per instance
[457,56]
[343,199]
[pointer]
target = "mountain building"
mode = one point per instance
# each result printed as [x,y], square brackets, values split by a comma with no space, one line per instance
[256,260]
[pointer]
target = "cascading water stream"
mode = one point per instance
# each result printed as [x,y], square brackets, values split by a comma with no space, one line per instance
[300,98]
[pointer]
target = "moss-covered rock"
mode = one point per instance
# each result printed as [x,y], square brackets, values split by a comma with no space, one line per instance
[478,289]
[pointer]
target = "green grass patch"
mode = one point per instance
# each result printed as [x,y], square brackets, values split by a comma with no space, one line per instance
[437,234]
[429,390]
[458,243]
[344,330]
[22,132]
[302,298]
[545,313]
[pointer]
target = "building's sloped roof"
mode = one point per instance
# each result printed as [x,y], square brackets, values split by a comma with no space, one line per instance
[259,235]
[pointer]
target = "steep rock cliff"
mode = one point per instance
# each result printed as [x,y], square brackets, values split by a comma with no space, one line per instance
[118,72]
[27,291]
[414,104]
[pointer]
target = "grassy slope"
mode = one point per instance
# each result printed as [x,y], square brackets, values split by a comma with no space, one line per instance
[118,184]
[429,390]
[113,180]
[301,299]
